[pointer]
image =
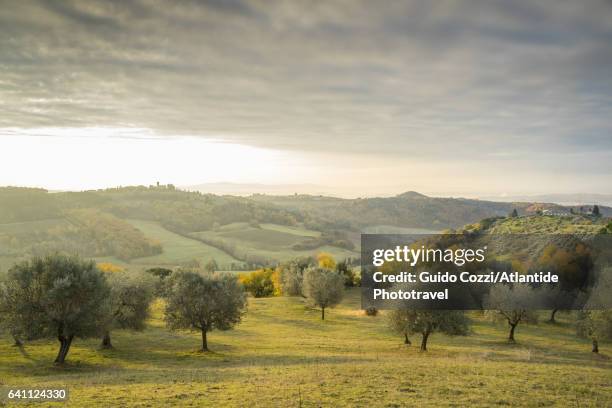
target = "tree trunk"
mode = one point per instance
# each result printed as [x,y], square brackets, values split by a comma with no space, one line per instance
[18,343]
[424,341]
[552,316]
[322,313]
[204,341]
[106,341]
[406,339]
[62,341]
[65,343]
[595,346]
[511,335]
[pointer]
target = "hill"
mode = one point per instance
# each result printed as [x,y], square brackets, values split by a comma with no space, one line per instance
[408,210]
[161,224]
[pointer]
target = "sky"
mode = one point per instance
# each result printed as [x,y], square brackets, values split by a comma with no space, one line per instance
[361,97]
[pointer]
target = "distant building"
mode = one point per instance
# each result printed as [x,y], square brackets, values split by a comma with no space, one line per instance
[559,212]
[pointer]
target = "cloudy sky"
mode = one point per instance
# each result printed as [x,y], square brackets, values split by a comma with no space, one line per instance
[461,98]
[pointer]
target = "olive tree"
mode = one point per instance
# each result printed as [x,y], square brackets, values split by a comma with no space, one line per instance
[574,267]
[596,325]
[56,296]
[595,320]
[204,302]
[509,304]
[6,326]
[398,322]
[427,322]
[131,295]
[292,275]
[323,288]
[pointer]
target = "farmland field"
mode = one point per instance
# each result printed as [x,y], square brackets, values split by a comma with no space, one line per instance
[270,241]
[176,248]
[284,355]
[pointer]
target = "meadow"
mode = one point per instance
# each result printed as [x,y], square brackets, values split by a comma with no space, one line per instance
[271,241]
[177,248]
[283,355]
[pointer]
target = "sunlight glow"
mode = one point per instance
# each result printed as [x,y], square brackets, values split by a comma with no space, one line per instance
[89,158]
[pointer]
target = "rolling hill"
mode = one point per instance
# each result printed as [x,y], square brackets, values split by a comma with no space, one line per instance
[163,225]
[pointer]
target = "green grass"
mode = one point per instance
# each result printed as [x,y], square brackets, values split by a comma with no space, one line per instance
[32,226]
[283,353]
[176,248]
[299,231]
[391,229]
[270,241]
[548,224]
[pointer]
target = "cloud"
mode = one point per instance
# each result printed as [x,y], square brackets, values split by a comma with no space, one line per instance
[420,79]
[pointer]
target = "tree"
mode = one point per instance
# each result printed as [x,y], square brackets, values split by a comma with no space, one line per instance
[427,322]
[211,266]
[398,321]
[130,297]
[6,325]
[323,288]
[510,304]
[345,270]
[596,212]
[514,213]
[574,267]
[204,302]
[161,274]
[56,296]
[291,275]
[326,260]
[596,325]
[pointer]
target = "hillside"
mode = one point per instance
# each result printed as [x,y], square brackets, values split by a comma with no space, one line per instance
[408,210]
[163,225]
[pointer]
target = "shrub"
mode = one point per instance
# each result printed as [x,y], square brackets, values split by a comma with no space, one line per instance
[371,311]
[259,283]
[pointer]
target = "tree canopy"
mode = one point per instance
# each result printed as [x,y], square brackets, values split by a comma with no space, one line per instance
[204,302]
[427,322]
[55,296]
[323,288]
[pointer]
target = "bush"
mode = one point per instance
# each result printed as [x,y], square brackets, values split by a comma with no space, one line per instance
[371,311]
[260,283]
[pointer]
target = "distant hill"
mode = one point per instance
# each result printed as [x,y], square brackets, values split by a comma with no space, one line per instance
[561,199]
[247,189]
[164,225]
[409,210]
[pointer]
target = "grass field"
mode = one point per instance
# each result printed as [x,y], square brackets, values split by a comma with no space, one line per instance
[176,248]
[390,229]
[32,226]
[271,241]
[283,355]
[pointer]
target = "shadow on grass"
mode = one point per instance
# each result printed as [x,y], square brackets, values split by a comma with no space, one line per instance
[539,354]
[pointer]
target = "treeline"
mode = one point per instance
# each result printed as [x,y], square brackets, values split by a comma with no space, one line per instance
[186,212]
[112,236]
[87,232]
